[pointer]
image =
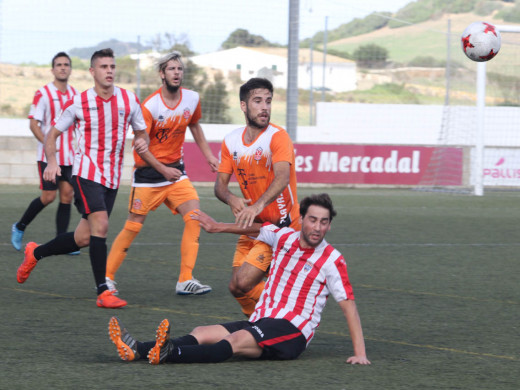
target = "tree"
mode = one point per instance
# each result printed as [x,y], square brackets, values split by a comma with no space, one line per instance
[215,102]
[370,56]
[241,37]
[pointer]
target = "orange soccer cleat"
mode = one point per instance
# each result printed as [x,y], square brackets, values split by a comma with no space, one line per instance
[108,300]
[28,264]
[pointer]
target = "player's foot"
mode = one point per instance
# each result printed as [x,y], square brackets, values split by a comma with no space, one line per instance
[126,345]
[109,301]
[111,284]
[16,237]
[75,253]
[163,344]
[28,264]
[192,287]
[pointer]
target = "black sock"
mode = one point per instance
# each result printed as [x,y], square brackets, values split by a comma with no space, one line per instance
[212,353]
[32,211]
[98,261]
[62,218]
[60,245]
[144,347]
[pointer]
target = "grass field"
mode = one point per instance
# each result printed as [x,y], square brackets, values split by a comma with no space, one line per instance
[435,278]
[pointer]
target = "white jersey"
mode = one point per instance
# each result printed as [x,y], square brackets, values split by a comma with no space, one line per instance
[300,280]
[48,102]
[101,126]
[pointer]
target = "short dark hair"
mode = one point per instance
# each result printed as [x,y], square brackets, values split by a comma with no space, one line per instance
[322,200]
[252,84]
[61,54]
[101,54]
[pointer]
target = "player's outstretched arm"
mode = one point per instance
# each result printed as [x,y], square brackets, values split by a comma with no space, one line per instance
[212,226]
[351,314]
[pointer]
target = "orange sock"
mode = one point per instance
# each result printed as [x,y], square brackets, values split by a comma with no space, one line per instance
[120,247]
[189,247]
[249,300]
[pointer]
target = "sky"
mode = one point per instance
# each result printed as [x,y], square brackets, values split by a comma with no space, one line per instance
[34,30]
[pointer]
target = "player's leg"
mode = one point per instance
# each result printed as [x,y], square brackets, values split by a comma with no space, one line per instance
[252,259]
[183,199]
[48,194]
[66,196]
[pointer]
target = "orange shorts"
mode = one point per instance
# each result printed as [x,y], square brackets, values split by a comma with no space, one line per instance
[145,199]
[254,252]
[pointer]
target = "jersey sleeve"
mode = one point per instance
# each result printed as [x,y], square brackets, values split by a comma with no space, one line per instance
[195,118]
[67,117]
[338,282]
[137,120]
[148,118]
[282,147]
[226,160]
[268,234]
[37,110]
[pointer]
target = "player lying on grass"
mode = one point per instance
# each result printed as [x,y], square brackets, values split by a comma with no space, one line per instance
[304,271]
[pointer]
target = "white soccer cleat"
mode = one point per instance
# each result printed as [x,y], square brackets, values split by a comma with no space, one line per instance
[192,287]
[111,284]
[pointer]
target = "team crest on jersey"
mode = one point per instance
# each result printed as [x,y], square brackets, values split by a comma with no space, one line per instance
[186,114]
[137,205]
[121,113]
[258,154]
[307,267]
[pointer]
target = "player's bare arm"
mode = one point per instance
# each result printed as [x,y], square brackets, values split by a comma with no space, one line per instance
[351,314]
[282,172]
[141,141]
[202,143]
[36,129]
[52,168]
[223,194]
[211,226]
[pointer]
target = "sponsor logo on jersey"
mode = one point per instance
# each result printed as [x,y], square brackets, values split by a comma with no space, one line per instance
[160,118]
[258,154]
[186,114]
[258,331]
[235,155]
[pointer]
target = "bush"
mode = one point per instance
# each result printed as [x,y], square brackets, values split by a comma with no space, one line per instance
[370,56]
[486,7]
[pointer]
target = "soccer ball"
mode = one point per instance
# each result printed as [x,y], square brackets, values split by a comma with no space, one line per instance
[480,41]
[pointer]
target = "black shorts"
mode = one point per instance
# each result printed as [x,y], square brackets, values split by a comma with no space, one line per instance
[66,175]
[278,338]
[90,196]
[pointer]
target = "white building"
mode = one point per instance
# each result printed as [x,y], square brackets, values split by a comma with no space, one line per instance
[271,63]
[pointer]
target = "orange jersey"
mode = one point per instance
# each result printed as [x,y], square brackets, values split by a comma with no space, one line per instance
[252,165]
[166,126]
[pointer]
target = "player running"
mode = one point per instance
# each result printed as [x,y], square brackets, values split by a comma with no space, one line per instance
[46,107]
[162,179]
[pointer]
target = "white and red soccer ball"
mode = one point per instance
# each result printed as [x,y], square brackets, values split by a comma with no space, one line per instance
[480,41]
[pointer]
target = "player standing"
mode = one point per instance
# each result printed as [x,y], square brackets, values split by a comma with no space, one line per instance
[261,156]
[102,116]
[305,270]
[162,179]
[47,105]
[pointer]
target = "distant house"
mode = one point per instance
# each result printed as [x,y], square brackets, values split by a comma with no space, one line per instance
[271,63]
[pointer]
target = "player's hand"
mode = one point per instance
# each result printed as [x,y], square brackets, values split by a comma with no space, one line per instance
[171,174]
[237,204]
[206,222]
[213,163]
[246,216]
[358,360]
[140,145]
[51,171]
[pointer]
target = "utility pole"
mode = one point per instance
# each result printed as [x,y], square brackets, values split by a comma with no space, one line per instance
[292,69]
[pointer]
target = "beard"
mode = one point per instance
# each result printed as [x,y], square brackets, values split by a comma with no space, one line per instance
[253,123]
[171,88]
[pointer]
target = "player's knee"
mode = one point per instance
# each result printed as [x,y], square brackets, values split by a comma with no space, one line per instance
[48,197]
[239,288]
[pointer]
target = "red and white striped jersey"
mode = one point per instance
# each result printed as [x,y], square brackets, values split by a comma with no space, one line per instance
[101,126]
[47,105]
[300,280]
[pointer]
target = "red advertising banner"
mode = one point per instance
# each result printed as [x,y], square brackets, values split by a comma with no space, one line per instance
[352,164]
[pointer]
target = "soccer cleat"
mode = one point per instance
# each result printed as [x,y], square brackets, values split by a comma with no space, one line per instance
[192,287]
[163,344]
[28,264]
[109,301]
[111,284]
[75,253]
[126,345]
[16,237]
